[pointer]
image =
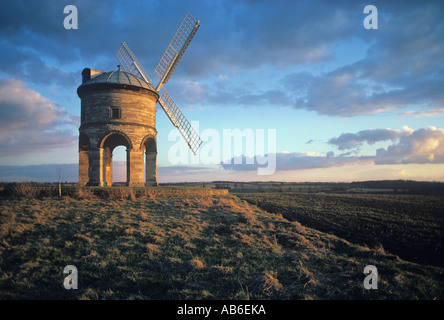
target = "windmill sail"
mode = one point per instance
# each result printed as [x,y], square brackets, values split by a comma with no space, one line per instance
[180,121]
[176,49]
[164,70]
[130,63]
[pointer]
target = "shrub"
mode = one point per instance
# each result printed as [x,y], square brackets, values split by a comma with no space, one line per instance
[84,194]
[196,263]
[122,193]
[25,190]
[267,283]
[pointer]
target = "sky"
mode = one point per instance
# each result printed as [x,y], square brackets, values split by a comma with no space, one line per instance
[316,94]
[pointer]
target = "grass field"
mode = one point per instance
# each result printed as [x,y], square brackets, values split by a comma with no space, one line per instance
[179,247]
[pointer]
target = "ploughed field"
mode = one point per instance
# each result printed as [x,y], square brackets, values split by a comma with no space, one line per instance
[409,226]
[177,246]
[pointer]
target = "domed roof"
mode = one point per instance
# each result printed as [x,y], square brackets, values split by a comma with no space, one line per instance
[118,77]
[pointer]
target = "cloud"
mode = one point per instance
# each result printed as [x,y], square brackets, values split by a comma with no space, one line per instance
[22,107]
[342,93]
[169,173]
[425,145]
[248,35]
[30,65]
[40,173]
[73,119]
[235,36]
[296,161]
[29,121]
[426,113]
[403,67]
[37,48]
[172,171]
[371,136]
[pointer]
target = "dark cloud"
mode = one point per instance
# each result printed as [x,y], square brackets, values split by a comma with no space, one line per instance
[404,66]
[194,92]
[243,36]
[235,36]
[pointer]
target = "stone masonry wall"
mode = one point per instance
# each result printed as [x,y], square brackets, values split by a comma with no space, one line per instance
[137,124]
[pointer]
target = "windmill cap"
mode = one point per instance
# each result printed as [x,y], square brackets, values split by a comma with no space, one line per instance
[92,76]
[93,80]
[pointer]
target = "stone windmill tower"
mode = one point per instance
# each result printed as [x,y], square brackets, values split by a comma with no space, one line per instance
[119,108]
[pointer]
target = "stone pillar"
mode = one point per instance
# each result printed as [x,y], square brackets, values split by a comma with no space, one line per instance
[128,166]
[151,169]
[83,167]
[96,167]
[108,167]
[135,167]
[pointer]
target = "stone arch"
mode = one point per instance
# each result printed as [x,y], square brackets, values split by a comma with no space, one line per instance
[149,143]
[107,144]
[115,138]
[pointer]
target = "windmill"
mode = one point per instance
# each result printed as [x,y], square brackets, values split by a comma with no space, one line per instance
[165,68]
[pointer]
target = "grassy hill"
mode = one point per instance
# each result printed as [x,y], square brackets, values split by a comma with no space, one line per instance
[179,247]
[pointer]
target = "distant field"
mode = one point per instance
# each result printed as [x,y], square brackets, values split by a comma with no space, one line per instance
[410,226]
[371,187]
[176,247]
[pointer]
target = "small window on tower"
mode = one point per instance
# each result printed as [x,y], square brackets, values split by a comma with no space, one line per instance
[114,113]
